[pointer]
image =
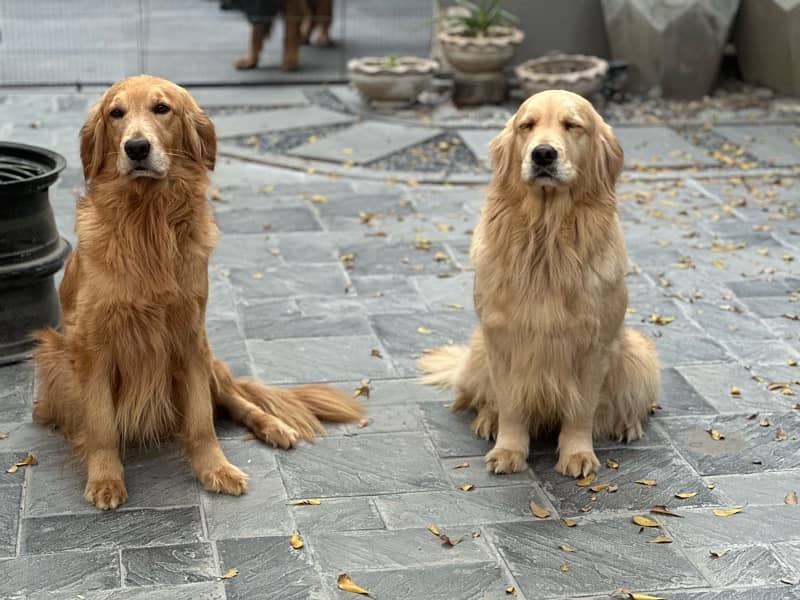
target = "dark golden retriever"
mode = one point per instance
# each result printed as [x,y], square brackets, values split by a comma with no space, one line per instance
[132,365]
[552,351]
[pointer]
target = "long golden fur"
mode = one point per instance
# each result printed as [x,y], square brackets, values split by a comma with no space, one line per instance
[132,365]
[551,351]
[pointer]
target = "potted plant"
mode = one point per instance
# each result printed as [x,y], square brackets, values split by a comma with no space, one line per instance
[574,72]
[478,41]
[31,251]
[391,80]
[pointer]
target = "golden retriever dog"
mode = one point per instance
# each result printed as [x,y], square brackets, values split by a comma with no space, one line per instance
[132,365]
[551,351]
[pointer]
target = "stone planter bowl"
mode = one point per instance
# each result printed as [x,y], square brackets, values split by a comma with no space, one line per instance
[480,54]
[31,251]
[577,73]
[395,84]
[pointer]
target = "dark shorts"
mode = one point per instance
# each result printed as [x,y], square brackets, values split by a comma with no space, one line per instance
[258,12]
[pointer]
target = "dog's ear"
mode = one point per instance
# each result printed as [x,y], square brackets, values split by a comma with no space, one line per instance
[200,137]
[608,160]
[501,153]
[93,142]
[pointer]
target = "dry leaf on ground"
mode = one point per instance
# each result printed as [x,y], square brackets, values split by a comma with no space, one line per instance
[727,512]
[348,585]
[511,590]
[717,553]
[296,541]
[564,568]
[599,487]
[639,596]
[585,481]
[566,548]
[569,522]
[661,539]
[306,502]
[230,573]
[28,461]
[424,330]
[434,529]
[643,521]
[715,435]
[538,511]
[661,509]
[647,482]
[463,465]
[466,487]
[790,498]
[612,464]
[685,495]
[448,541]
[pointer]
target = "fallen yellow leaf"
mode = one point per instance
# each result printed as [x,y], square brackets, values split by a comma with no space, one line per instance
[564,568]
[296,541]
[568,522]
[585,481]
[661,539]
[511,590]
[790,498]
[448,541]
[685,495]
[599,487]
[566,548]
[466,487]
[735,391]
[230,573]
[463,465]
[424,330]
[647,482]
[638,596]
[612,464]
[727,512]
[28,461]
[660,319]
[717,553]
[306,502]
[661,509]
[715,435]
[434,529]
[643,521]
[538,511]
[348,585]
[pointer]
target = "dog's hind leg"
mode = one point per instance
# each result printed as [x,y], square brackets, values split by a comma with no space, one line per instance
[258,33]
[631,388]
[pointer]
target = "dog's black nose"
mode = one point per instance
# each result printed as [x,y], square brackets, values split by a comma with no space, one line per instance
[544,155]
[137,148]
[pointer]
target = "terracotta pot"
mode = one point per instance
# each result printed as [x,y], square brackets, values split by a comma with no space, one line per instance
[31,251]
[577,73]
[395,82]
[480,54]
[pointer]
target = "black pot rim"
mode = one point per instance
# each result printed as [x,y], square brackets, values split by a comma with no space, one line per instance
[38,267]
[47,158]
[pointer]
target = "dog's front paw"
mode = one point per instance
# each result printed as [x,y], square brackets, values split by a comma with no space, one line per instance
[246,62]
[502,460]
[577,464]
[279,434]
[105,493]
[225,479]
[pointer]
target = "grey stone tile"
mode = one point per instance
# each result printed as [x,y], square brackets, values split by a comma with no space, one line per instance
[471,582]
[388,294]
[366,464]
[450,431]
[244,251]
[608,554]
[399,258]
[212,97]
[388,418]
[119,529]
[189,591]
[157,478]
[16,392]
[679,398]
[659,147]
[754,525]
[678,350]
[269,569]
[261,322]
[477,140]
[248,220]
[10,501]
[756,288]
[302,248]
[713,383]
[265,121]
[475,473]
[400,334]
[771,593]
[281,282]
[168,565]
[367,141]
[338,514]
[408,548]
[260,511]
[726,325]
[445,293]
[250,455]
[305,360]
[228,343]
[742,566]
[455,508]
[772,144]
[773,352]
[747,447]
[69,572]
[399,391]
[790,554]
[24,437]
[758,488]
[671,473]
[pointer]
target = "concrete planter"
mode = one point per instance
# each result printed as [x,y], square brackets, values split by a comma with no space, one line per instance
[480,54]
[31,251]
[391,83]
[574,72]
[672,46]
[767,39]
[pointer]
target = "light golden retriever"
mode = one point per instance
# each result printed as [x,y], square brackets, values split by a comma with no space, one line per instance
[551,351]
[132,365]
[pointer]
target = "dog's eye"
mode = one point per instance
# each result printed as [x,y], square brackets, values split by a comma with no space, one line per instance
[571,125]
[161,108]
[117,113]
[527,126]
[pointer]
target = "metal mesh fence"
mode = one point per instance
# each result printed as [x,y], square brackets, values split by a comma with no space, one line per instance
[64,42]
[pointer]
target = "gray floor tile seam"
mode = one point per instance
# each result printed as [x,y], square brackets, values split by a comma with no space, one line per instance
[122,570]
[121,509]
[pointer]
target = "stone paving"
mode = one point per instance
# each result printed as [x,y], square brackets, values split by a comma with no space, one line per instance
[333,271]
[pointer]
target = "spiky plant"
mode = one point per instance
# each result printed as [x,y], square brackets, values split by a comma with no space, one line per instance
[477,18]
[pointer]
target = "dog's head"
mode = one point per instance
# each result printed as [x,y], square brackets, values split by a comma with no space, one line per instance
[144,126]
[557,139]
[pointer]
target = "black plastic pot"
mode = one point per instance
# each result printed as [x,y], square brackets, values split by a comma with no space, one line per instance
[31,251]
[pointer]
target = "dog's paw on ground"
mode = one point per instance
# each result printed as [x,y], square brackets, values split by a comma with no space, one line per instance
[274,431]
[105,494]
[225,479]
[577,464]
[502,460]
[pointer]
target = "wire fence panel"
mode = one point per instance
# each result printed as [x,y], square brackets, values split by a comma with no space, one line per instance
[65,42]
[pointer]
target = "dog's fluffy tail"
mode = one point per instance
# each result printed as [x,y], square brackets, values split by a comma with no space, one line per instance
[277,415]
[440,365]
